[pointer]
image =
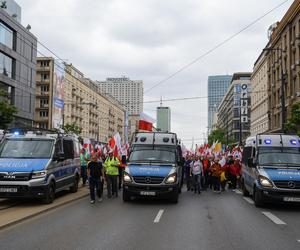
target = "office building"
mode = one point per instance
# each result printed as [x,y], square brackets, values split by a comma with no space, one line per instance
[163,119]
[18,49]
[234,108]
[128,92]
[66,96]
[259,96]
[216,88]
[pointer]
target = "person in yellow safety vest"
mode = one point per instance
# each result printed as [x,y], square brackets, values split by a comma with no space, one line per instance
[111,167]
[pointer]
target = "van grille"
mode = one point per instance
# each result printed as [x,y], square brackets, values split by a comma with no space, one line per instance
[15,176]
[148,179]
[287,184]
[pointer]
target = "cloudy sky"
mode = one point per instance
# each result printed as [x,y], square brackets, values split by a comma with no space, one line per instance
[150,40]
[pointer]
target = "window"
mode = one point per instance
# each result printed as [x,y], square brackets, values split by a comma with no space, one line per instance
[6,36]
[43,113]
[44,88]
[44,103]
[68,149]
[6,66]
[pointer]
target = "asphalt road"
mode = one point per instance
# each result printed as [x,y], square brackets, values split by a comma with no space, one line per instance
[207,221]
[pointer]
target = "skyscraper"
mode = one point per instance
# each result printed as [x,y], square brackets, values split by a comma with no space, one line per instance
[128,92]
[163,119]
[216,88]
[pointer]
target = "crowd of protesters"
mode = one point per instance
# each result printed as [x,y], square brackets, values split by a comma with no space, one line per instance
[212,172]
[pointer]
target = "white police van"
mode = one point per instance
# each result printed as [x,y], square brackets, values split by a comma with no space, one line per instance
[35,164]
[271,168]
[154,167]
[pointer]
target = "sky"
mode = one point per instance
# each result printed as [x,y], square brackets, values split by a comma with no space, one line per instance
[150,40]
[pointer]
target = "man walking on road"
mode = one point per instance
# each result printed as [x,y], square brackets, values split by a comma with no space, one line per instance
[111,166]
[95,175]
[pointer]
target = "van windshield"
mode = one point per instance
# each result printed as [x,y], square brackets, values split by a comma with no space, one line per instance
[156,154]
[26,148]
[279,158]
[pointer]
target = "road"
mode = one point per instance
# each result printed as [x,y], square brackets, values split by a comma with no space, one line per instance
[206,221]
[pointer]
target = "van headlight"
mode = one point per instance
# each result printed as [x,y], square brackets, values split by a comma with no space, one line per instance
[127,178]
[38,174]
[265,182]
[171,178]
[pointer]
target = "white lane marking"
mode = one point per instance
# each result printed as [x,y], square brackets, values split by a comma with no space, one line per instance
[248,200]
[274,218]
[238,191]
[158,216]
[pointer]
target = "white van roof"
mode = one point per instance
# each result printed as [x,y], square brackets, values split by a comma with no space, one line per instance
[273,140]
[156,138]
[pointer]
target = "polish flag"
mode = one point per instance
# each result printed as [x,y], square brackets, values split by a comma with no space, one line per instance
[146,122]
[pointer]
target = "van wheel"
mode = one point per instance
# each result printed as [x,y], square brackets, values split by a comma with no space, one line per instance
[50,196]
[258,201]
[126,196]
[74,188]
[244,190]
[175,196]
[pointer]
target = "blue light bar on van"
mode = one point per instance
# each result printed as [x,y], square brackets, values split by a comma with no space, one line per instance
[293,142]
[267,141]
[16,133]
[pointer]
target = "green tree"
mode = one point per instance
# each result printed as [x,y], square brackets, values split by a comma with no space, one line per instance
[7,111]
[219,135]
[293,123]
[72,128]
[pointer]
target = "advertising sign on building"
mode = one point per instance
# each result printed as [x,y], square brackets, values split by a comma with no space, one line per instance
[244,103]
[58,94]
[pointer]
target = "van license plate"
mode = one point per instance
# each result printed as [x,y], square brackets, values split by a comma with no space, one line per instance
[8,190]
[292,199]
[147,193]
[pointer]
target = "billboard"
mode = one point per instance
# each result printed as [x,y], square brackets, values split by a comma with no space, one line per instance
[58,94]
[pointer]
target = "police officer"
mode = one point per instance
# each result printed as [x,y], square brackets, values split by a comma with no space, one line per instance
[111,166]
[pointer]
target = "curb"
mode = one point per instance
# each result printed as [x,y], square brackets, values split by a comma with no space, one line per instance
[14,222]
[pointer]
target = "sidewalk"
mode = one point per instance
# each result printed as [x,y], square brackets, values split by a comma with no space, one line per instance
[29,209]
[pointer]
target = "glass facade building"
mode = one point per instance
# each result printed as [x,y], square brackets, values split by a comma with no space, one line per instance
[216,88]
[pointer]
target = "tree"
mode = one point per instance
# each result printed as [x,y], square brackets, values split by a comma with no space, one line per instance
[293,123]
[219,135]
[7,111]
[72,128]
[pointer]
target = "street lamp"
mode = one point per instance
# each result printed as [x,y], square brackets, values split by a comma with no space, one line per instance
[282,85]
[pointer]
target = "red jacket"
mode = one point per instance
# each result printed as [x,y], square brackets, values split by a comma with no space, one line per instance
[234,169]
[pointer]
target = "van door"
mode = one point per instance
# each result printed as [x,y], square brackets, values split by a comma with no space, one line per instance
[67,171]
[246,170]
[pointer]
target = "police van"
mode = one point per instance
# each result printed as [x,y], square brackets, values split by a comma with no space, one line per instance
[271,168]
[38,164]
[154,167]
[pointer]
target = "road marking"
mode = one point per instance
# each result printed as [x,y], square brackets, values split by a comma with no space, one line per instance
[238,191]
[158,216]
[248,200]
[273,218]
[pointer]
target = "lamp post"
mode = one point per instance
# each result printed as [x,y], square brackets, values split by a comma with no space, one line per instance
[282,85]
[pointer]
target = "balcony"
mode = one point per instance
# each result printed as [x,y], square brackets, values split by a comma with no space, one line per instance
[42,119]
[43,93]
[42,68]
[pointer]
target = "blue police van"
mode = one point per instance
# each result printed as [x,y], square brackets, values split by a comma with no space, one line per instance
[154,167]
[35,164]
[271,168]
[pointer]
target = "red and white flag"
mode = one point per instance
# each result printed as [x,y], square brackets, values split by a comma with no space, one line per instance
[146,122]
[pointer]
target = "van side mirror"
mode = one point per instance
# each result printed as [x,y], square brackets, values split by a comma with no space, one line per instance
[251,164]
